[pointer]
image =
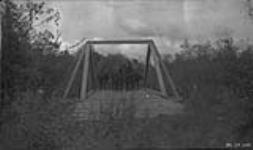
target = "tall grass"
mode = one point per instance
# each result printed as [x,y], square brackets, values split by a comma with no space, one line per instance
[51,124]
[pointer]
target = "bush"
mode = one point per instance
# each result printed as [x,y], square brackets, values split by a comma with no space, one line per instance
[42,123]
[51,124]
[217,79]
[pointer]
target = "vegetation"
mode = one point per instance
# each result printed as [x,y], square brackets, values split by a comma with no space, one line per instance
[215,80]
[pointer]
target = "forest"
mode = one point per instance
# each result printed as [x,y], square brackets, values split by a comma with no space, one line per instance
[215,80]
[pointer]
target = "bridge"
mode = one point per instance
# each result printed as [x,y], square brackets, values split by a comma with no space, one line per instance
[86,57]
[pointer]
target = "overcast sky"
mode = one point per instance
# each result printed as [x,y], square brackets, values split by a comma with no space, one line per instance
[169,22]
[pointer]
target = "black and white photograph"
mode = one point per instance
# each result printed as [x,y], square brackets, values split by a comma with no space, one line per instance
[126,74]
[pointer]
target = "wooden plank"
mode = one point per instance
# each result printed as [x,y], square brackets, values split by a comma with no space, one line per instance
[158,70]
[171,82]
[73,75]
[83,93]
[147,66]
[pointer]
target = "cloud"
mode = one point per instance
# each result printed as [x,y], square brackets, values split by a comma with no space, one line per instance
[132,51]
[169,22]
[151,19]
[212,19]
[135,24]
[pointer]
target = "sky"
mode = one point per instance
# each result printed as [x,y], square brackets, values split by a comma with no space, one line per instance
[168,22]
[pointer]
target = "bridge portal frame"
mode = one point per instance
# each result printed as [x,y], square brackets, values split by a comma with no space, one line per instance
[87,54]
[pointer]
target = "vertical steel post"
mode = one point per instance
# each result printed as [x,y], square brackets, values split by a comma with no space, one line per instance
[93,79]
[73,75]
[86,62]
[172,84]
[158,70]
[147,66]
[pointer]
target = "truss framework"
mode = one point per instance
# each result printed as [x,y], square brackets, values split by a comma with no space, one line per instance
[87,55]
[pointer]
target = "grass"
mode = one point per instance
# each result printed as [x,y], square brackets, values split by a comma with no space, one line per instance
[51,125]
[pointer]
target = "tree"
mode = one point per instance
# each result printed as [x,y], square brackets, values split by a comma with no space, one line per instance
[23,45]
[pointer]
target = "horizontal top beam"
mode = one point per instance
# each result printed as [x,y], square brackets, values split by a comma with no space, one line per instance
[146,41]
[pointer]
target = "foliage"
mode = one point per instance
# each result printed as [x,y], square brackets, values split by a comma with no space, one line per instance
[23,46]
[122,73]
[217,79]
[40,123]
[51,124]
